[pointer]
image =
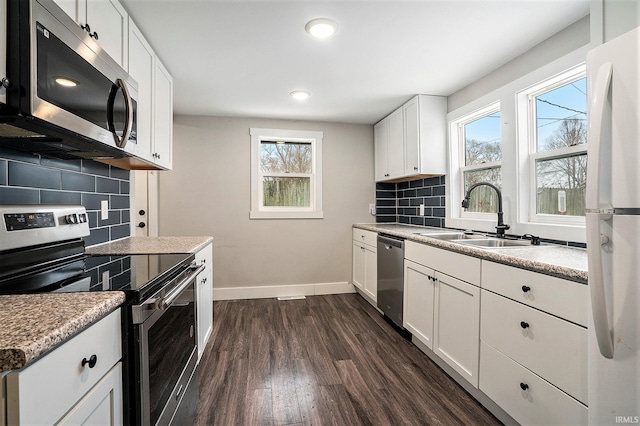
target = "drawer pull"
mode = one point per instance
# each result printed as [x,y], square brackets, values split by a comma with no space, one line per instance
[524,386]
[524,324]
[93,359]
[526,288]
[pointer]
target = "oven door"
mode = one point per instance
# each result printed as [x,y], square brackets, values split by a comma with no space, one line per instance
[166,352]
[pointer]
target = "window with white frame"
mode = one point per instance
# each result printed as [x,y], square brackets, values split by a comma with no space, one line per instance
[286,174]
[480,159]
[556,135]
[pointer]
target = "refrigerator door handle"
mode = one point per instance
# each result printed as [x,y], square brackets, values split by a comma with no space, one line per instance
[603,331]
[597,132]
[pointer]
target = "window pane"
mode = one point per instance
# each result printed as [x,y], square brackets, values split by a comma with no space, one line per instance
[286,192]
[561,116]
[482,140]
[285,157]
[561,185]
[483,199]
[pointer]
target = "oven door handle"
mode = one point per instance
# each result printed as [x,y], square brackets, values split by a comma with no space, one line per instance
[168,300]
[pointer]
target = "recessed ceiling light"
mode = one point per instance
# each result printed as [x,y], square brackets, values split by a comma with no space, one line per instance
[300,95]
[321,27]
[66,82]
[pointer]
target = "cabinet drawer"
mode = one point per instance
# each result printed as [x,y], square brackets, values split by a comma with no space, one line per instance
[540,403]
[458,265]
[366,237]
[553,348]
[566,299]
[44,391]
[205,256]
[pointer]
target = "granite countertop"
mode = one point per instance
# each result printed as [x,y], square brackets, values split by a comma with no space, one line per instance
[33,324]
[561,261]
[151,245]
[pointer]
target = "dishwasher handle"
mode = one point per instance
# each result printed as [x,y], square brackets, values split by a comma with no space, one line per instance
[390,242]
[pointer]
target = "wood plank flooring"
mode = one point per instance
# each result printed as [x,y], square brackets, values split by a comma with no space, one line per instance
[325,360]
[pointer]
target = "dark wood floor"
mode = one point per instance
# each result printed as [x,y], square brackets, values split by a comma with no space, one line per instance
[325,360]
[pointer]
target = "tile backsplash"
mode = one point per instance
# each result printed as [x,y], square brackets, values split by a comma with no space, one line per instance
[31,179]
[400,202]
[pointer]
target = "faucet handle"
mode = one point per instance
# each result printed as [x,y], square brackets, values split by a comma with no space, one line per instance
[535,240]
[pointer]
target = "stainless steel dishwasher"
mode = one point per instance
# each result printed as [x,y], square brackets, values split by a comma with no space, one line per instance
[391,277]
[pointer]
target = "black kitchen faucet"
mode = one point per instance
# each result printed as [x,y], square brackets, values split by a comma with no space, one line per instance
[501,227]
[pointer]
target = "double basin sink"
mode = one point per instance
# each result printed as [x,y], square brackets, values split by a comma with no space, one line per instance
[475,240]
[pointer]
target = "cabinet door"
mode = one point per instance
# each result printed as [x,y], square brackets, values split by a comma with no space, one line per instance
[395,149]
[102,405]
[358,266]
[381,141]
[205,309]
[419,290]
[456,337]
[3,50]
[109,20]
[141,69]
[71,7]
[370,272]
[411,115]
[163,117]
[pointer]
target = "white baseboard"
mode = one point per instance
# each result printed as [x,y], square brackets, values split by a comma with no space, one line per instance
[235,293]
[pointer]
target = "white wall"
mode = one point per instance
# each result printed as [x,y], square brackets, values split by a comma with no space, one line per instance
[569,39]
[208,193]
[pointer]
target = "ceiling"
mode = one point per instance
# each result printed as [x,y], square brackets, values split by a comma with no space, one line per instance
[243,58]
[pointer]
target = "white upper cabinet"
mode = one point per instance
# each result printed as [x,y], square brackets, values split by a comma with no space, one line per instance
[425,135]
[141,68]
[155,101]
[163,117]
[389,151]
[105,20]
[411,141]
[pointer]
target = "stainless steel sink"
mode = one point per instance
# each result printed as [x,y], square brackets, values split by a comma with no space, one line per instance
[456,236]
[493,243]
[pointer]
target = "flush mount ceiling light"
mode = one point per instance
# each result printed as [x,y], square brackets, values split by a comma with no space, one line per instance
[300,95]
[66,82]
[321,27]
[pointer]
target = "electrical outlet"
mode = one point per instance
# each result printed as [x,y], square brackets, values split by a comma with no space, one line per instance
[104,209]
[372,209]
[421,209]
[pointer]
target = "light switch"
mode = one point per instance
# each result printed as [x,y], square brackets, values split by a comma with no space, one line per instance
[421,209]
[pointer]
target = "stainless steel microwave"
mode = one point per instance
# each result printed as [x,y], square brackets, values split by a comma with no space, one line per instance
[66,97]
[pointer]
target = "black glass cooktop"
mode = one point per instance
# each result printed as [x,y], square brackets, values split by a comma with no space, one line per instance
[133,273]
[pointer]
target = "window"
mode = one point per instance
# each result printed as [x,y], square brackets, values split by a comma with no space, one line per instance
[286,174]
[556,135]
[481,149]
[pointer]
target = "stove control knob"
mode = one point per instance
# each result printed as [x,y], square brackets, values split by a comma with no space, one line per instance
[82,218]
[71,218]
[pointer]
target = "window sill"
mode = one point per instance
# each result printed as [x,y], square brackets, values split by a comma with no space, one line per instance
[286,215]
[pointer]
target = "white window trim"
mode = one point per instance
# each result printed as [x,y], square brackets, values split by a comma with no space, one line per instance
[314,211]
[514,197]
[528,154]
[457,217]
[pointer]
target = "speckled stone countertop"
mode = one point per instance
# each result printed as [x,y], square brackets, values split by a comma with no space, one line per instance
[564,262]
[33,324]
[151,245]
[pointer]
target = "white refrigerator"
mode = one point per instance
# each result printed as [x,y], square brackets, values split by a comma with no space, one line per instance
[613,230]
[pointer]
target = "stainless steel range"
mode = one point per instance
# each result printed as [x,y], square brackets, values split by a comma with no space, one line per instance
[41,250]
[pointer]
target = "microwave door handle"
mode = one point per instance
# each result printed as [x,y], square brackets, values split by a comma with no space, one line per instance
[119,85]
[129,110]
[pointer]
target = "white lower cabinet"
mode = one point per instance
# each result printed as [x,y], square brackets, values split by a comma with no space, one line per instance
[533,361]
[78,382]
[442,311]
[204,302]
[526,397]
[456,334]
[365,263]
[419,293]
